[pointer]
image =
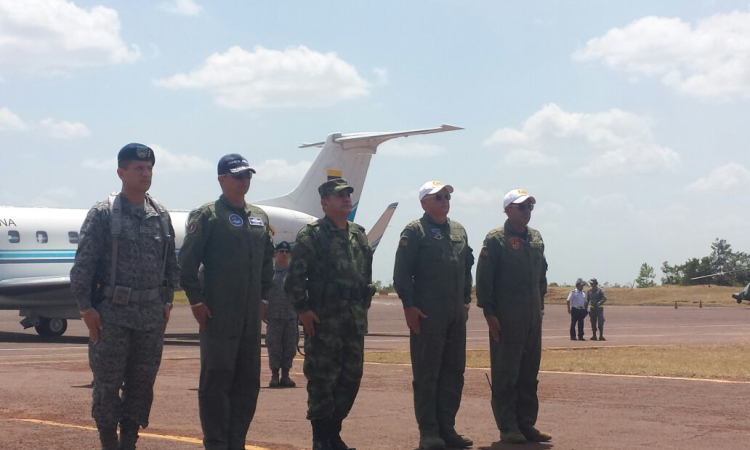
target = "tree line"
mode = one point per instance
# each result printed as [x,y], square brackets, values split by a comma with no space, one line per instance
[735,267]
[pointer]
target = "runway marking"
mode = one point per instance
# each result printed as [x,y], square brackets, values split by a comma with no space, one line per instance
[166,437]
[617,375]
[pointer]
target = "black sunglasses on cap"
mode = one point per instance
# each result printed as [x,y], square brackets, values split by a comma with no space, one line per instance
[246,175]
[523,206]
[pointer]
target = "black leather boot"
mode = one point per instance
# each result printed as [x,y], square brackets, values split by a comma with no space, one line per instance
[108,438]
[285,380]
[320,430]
[335,436]
[128,434]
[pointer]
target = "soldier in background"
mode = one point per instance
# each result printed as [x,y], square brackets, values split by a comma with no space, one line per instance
[282,331]
[432,276]
[511,284]
[330,282]
[596,298]
[232,240]
[123,279]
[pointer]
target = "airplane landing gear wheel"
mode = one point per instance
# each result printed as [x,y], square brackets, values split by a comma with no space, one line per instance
[51,327]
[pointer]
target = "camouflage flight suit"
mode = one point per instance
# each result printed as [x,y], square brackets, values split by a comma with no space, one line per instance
[433,273]
[282,331]
[129,350]
[234,245]
[330,273]
[596,298]
[511,284]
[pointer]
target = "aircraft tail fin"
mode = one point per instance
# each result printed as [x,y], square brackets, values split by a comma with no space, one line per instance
[377,230]
[345,156]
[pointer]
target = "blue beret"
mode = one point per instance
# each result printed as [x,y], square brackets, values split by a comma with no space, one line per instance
[136,152]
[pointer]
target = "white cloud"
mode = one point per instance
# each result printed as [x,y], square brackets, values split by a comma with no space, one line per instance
[409,149]
[10,121]
[54,197]
[57,129]
[280,170]
[621,141]
[62,129]
[182,7]
[708,59]
[55,35]
[477,197]
[729,176]
[381,75]
[166,161]
[295,77]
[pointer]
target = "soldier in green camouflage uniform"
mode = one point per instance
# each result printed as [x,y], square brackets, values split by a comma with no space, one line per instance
[233,242]
[330,282]
[511,284]
[126,324]
[432,276]
[595,299]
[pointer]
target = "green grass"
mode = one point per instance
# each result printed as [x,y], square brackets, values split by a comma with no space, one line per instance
[689,361]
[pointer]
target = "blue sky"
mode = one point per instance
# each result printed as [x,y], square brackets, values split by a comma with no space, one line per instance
[626,120]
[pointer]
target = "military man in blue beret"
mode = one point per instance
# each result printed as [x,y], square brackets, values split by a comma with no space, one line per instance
[123,279]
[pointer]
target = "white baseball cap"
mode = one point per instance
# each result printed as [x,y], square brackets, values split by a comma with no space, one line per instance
[516,196]
[433,187]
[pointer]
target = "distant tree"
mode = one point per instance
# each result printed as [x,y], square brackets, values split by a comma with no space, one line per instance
[646,276]
[734,266]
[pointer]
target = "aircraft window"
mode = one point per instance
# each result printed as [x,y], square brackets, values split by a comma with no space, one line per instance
[73,237]
[41,237]
[14,237]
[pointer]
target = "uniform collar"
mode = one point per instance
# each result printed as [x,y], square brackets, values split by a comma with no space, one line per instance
[327,222]
[427,217]
[231,206]
[509,229]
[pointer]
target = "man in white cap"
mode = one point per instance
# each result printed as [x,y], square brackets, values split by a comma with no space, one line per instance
[432,276]
[511,284]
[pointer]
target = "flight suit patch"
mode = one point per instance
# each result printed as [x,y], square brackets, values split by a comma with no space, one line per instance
[515,243]
[255,221]
[145,230]
[484,252]
[235,220]
[191,228]
[404,241]
[436,233]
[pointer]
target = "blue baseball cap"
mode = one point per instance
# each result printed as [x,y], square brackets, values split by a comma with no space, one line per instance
[233,163]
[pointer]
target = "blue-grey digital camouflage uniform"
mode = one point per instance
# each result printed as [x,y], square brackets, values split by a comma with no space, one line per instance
[129,350]
[234,245]
[330,273]
[282,331]
[511,285]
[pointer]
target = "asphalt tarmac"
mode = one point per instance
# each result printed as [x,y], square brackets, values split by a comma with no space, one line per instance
[46,404]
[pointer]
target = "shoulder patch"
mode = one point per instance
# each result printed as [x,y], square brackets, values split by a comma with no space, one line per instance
[484,252]
[404,241]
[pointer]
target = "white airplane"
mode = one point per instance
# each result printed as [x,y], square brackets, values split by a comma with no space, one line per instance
[38,245]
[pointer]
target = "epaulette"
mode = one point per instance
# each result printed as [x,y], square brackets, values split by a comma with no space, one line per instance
[496,231]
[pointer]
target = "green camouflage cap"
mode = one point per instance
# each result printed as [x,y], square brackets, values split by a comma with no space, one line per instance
[333,186]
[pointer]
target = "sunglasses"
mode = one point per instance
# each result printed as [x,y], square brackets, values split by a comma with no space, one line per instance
[247,175]
[439,197]
[523,206]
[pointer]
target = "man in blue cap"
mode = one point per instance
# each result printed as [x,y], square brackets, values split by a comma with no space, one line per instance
[123,278]
[232,239]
